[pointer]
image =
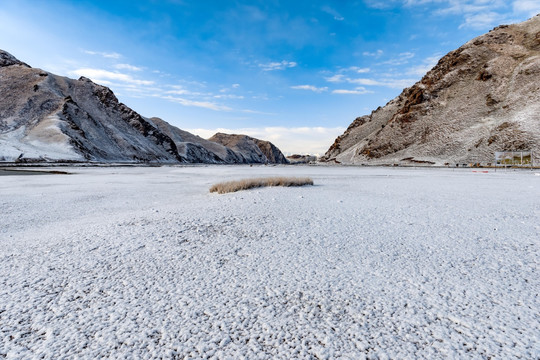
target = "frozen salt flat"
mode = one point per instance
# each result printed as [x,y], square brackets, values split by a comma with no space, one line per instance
[376,263]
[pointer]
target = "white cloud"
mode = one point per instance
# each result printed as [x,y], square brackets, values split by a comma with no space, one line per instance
[427,64]
[481,20]
[309,87]
[295,140]
[340,77]
[477,14]
[278,65]
[127,67]
[364,81]
[402,58]
[390,83]
[337,16]
[233,87]
[229,96]
[105,76]
[376,54]
[359,70]
[109,55]
[179,92]
[357,91]
[529,7]
[336,78]
[195,103]
[379,4]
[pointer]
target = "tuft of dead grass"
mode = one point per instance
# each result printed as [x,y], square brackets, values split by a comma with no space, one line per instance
[245,184]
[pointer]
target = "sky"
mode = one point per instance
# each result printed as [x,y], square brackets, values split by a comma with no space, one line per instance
[296,73]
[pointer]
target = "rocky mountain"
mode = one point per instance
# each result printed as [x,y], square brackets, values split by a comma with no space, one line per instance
[50,118]
[251,149]
[193,146]
[481,98]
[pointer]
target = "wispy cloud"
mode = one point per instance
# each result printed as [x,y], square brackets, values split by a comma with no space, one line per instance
[138,88]
[477,14]
[337,16]
[336,78]
[401,59]
[195,103]
[109,55]
[127,67]
[390,83]
[278,65]
[357,91]
[233,87]
[364,81]
[427,64]
[229,96]
[378,53]
[481,20]
[529,7]
[359,70]
[310,87]
[341,77]
[105,76]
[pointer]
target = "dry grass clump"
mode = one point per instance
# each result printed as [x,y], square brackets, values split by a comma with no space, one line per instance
[244,184]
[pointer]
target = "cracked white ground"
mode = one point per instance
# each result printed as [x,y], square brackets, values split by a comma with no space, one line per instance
[369,262]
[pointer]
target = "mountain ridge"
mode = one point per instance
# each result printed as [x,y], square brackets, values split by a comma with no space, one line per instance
[251,149]
[50,118]
[480,98]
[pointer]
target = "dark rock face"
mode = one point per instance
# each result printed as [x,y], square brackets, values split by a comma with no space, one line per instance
[243,145]
[6,59]
[272,153]
[252,150]
[52,118]
[44,117]
[196,149]
[454,112]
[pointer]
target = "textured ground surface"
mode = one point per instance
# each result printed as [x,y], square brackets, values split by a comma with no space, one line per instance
[369,262]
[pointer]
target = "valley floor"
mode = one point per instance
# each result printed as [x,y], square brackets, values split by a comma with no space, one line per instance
[382,263]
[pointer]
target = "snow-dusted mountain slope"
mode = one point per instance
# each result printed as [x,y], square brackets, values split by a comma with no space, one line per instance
[45,117]
[251,149]
[481,98]
[190,145]
[48,117]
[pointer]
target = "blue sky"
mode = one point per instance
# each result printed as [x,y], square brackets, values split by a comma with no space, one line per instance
[293,72]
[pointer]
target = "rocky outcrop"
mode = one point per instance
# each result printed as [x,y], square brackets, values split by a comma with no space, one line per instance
[50,118]
[252,150]
[44,117]
[481,98]
[6,59]
[272,153]
[196,149]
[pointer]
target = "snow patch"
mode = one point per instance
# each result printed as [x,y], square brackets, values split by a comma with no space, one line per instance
[45,140]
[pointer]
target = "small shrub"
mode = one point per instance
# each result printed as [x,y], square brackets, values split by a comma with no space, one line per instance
[245,184]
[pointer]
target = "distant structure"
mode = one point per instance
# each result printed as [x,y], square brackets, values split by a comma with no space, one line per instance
[301,159]
[514,158]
